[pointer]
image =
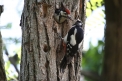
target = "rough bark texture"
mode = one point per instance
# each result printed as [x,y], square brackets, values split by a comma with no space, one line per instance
[2,71]
[112,70]
[41,50]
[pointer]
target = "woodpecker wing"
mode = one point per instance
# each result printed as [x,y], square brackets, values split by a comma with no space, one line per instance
[79,36]
[74,38]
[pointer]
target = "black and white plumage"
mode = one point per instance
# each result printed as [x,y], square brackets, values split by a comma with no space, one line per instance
[61,14]
[73,41]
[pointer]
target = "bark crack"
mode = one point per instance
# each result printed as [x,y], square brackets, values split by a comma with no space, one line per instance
[36,19]
[27,72]
[47,69]
[38,38]
[47,37]
[34,68]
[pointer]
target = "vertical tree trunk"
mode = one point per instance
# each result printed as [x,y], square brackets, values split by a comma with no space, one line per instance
[41,50]
[2,70]
[112,70]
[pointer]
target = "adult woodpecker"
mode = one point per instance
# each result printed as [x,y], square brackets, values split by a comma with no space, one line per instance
[61,14]
[73,41]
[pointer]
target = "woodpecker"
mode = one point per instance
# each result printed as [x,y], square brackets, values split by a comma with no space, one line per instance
[61,14]
[73,41]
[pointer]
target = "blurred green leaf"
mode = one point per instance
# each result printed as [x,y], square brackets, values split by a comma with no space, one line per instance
[7,65]
[9,25]
[92,5]
[93,58]
[13,40]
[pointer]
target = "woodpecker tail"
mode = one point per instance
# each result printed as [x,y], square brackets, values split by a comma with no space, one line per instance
[66,60]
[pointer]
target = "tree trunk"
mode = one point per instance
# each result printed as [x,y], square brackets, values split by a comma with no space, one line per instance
[42,51]
[112,70]
[2,70]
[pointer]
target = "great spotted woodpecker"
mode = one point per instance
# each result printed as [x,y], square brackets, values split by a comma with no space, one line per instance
[61,14]
[73,41]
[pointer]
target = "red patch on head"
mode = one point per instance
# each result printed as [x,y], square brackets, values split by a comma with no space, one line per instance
[67,11]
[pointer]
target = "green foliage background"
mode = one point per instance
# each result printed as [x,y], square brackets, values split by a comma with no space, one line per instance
[93,57]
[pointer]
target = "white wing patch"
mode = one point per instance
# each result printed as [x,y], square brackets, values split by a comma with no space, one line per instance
[73,40]
[65,38]
[79,45]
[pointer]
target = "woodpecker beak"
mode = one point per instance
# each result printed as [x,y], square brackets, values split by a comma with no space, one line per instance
[69,17]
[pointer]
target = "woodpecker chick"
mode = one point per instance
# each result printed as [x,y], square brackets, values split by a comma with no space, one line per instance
[61,14]
[73,41]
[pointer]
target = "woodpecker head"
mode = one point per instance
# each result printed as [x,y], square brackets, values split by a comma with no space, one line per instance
[78,23]
[61,14]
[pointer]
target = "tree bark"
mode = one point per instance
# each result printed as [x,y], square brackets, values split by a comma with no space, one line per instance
[112,70]
[2,70]
[41,50]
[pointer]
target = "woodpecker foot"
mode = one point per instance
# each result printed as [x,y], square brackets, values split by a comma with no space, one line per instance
[59,36]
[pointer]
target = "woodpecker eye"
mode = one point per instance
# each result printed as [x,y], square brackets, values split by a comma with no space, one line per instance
[63,13]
